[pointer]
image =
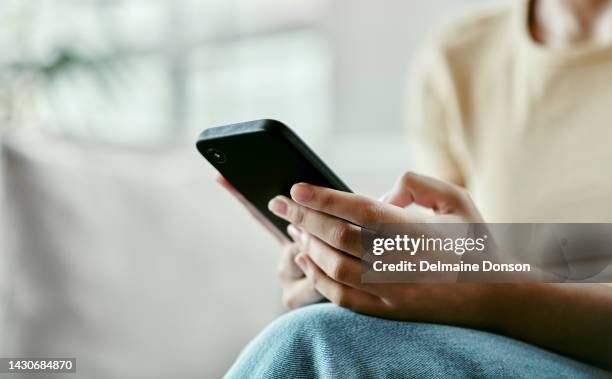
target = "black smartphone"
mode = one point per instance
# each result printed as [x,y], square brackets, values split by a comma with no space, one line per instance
[262,159]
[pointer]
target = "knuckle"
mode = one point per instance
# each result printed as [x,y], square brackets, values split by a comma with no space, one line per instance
[371,213]
[339,270]
[298,215]
[342,234]
[407,177]
[325,200]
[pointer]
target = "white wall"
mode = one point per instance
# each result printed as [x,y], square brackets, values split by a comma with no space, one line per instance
[374,42]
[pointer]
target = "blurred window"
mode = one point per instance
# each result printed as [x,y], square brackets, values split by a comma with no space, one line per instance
[153,71]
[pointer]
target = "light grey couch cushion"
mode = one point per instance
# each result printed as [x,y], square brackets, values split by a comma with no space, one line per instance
[133,261]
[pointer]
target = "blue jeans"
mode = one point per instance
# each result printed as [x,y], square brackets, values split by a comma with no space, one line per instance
[326,341]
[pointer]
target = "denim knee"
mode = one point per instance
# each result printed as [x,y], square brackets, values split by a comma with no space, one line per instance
[326,341]
[305,343]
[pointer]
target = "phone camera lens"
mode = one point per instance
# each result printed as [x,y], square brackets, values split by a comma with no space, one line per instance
[216,156]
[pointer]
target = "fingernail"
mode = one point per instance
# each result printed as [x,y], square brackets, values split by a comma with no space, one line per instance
[294,232]
[278,206]
[301,262]
[302,192]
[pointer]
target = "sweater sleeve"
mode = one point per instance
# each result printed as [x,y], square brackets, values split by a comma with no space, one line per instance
[430,115]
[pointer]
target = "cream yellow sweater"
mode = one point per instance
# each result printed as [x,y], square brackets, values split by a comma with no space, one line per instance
[526,129]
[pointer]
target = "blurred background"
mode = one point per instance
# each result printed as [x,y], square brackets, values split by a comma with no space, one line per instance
[117,247]
[157,72]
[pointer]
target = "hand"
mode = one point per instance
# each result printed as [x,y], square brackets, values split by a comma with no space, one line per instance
[297,289]
[330,243]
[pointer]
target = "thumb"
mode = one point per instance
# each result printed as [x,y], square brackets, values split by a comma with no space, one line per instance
[425,191]
[398,195]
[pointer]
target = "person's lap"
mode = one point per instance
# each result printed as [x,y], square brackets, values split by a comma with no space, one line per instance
[327,341]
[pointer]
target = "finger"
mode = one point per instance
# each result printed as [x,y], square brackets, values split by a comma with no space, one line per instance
[432,193]
[225,183]
[398,195]
[335,264]
[299,293]
[338,293]
[294,232]
[287,269]
[280,237]
[356,209]
[334,231]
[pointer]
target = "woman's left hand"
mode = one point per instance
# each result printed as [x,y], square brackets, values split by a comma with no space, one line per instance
[330,223]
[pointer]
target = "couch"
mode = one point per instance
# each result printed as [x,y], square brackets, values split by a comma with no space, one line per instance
[134,261]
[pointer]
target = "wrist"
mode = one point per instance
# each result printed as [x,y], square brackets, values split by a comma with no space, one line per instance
[487,306]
